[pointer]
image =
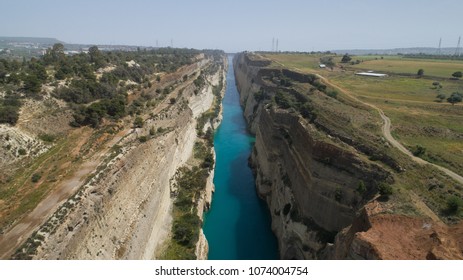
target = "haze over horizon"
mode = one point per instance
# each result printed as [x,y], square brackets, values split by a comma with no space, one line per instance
[239,25]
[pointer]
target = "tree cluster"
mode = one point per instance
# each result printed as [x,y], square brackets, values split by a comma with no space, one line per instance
[9,109]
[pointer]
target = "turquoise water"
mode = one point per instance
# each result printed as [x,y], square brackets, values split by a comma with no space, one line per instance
[238,225]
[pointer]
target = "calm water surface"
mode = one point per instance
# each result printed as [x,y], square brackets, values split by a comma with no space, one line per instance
[238,225]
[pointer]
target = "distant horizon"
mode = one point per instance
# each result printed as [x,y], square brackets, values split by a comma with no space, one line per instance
[298,25]
[148,46]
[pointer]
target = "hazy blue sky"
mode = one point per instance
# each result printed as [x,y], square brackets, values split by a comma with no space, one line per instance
[236,25]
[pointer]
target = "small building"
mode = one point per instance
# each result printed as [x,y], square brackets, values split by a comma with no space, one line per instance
[322,66]
[370,74]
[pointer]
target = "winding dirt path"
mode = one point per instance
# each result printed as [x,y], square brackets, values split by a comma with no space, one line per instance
[386,129]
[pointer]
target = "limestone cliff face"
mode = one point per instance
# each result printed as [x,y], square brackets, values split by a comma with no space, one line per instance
[205,200]
[125,210]
[308,181]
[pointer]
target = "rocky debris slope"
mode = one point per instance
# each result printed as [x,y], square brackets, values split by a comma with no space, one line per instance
[375,235]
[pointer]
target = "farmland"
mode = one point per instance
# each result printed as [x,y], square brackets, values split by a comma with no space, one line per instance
[394,64]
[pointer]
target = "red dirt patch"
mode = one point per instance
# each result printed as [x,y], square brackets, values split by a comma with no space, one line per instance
[408,238]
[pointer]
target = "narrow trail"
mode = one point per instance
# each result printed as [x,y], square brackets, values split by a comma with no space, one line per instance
[386,129]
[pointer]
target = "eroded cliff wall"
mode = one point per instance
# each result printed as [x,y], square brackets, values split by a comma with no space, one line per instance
[124,211]
[309,181]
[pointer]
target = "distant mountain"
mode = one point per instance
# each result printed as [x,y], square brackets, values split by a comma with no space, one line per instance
[33,40]
[444,51]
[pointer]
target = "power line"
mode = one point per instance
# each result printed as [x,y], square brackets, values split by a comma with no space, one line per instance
[440,43]
[457,50]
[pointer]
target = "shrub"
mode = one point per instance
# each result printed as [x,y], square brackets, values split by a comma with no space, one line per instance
[22,152]
[384,189]
[186,230]
[453,205]
[138,122]
[457,74]
[361,188]
[282,100]
[36,177]
[47,137]
[208,162]
[143,139]
[419,151]
[456,97]
[440,97]
[346,58]
[9,114]
[332,94]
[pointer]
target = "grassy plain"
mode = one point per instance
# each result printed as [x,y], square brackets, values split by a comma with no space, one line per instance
[395,64]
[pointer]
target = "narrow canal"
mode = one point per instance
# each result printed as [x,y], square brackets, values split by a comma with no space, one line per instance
[238,225]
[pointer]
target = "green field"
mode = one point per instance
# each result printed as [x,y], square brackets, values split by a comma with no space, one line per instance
[398,65]
[304,62]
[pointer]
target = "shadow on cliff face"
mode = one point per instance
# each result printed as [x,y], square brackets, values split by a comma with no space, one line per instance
[254,236]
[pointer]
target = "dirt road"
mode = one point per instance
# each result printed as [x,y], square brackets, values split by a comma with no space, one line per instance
[386,130]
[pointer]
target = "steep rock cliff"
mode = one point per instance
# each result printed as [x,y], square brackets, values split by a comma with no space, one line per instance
[308,180]
[124,210]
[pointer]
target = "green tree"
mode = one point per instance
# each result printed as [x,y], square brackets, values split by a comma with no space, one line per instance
[420,72]
[440,97]
[96,56]
[58,51]
[457,74]
[453,205]
[54,54]
[384,189]
[328,61]
[138,122]
[9,114]
[32,84]
[36,177]
[456,97]
[419,150]
[346,58]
